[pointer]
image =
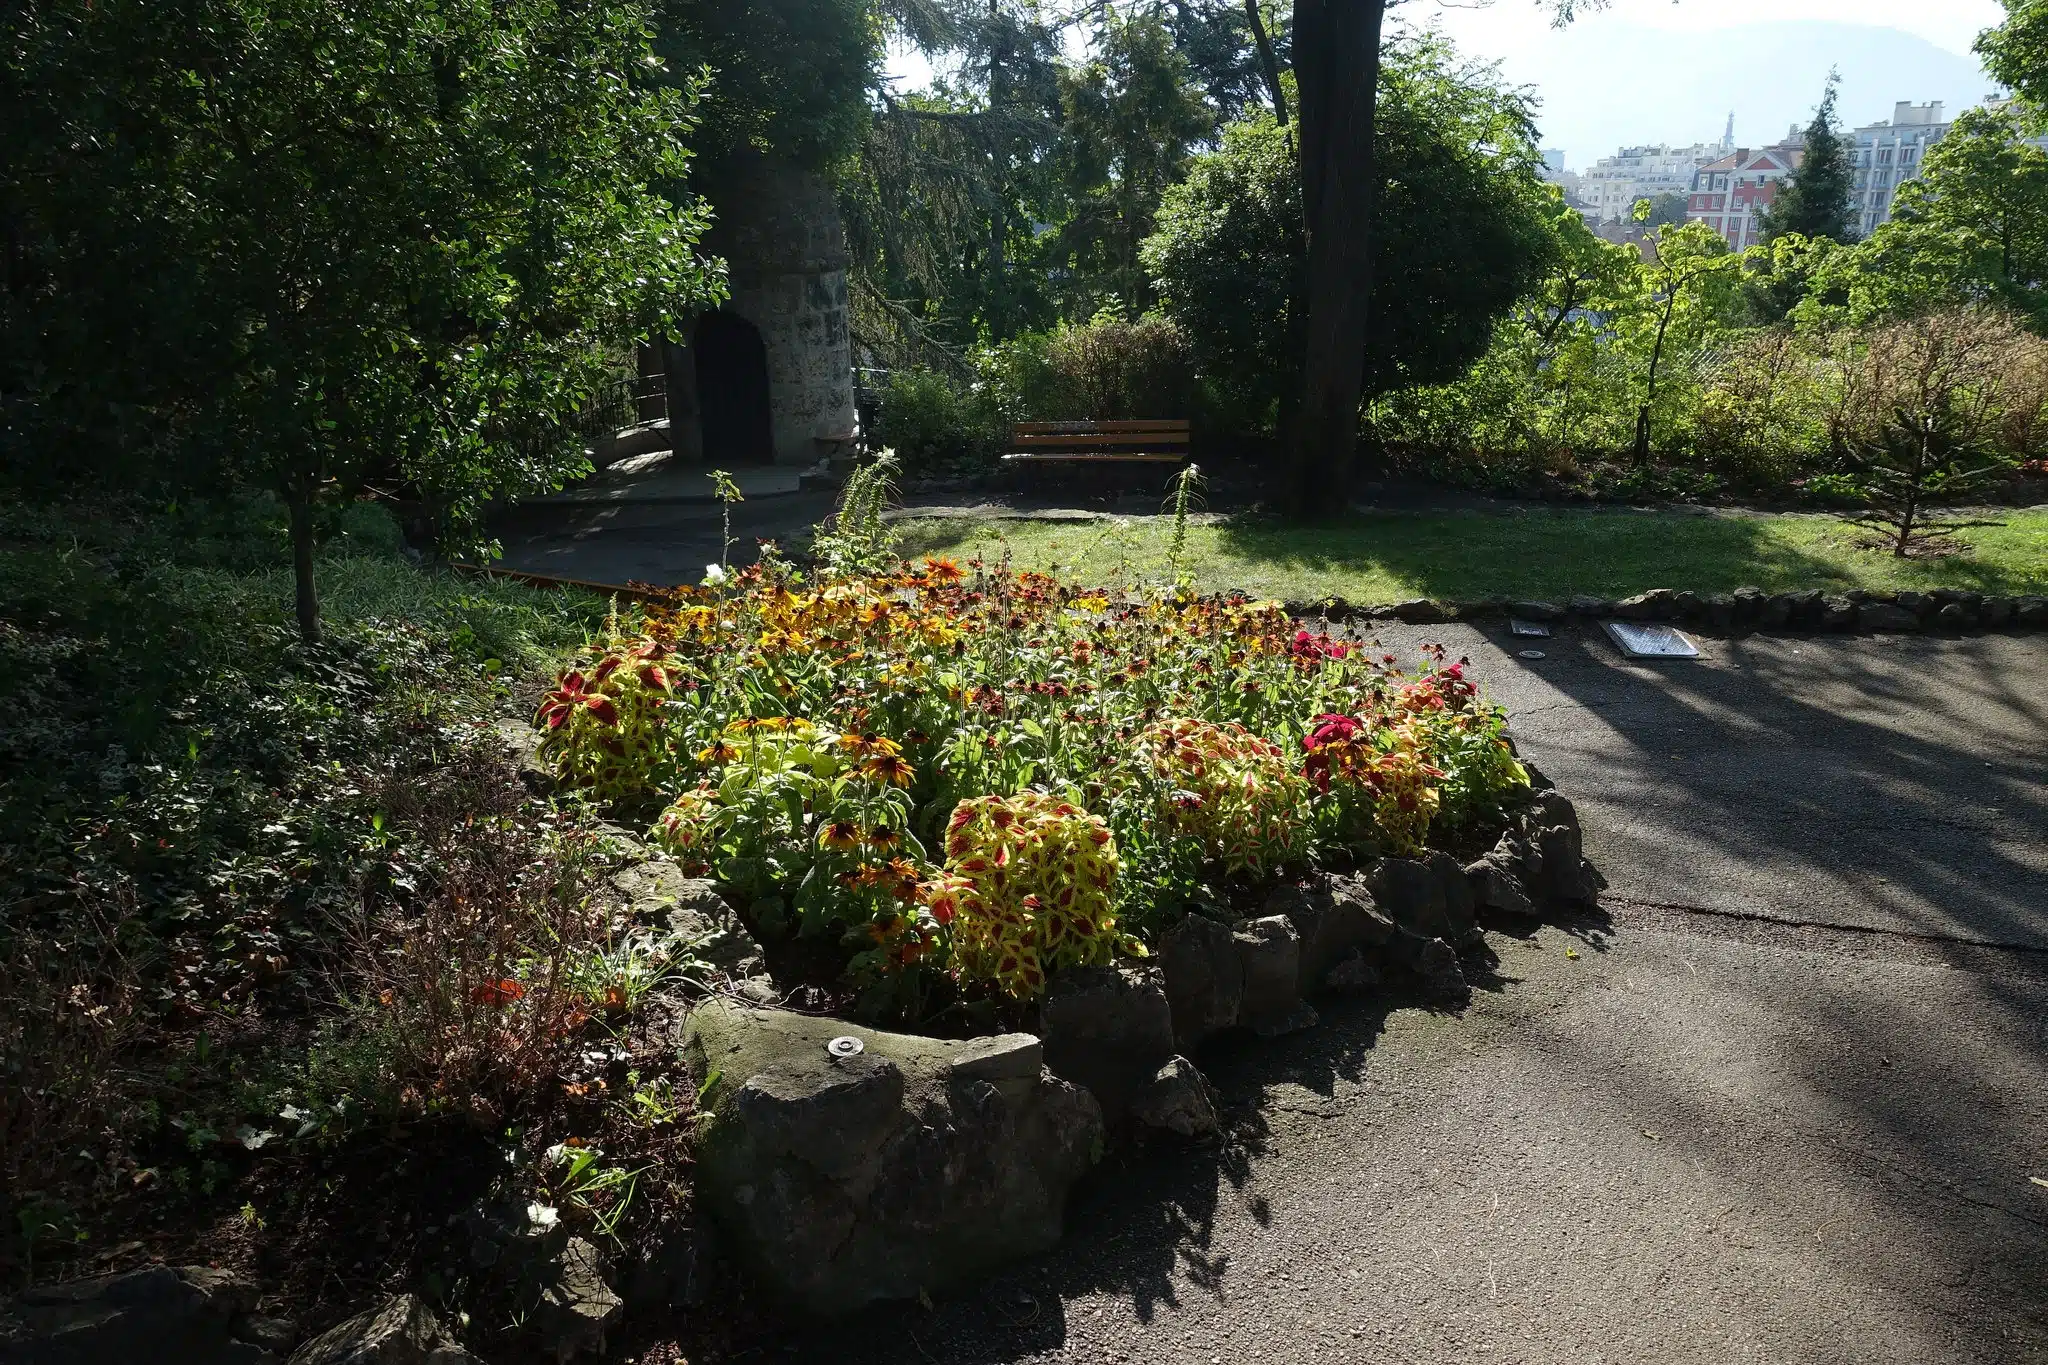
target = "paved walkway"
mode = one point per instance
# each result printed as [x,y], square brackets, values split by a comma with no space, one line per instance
[1770,1106]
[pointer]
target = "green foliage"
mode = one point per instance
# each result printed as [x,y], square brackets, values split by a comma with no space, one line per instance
[1814,201]
[937,424]
[859,541]
[1131,119]
[1463,233]
[1655,213]
[2016,52]
[787,76]
[301,247]
[1972,228]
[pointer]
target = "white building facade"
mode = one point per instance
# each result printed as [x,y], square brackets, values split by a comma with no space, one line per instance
[1887,155]
[1610,186]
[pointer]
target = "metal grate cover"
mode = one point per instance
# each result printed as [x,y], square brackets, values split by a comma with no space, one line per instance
[1650,641]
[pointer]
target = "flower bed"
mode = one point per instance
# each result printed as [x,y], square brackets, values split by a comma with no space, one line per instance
[938,785]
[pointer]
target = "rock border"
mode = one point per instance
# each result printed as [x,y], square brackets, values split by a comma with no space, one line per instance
[912,1163]
[1808,611]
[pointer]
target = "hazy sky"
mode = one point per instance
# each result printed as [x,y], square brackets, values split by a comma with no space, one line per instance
[1655,71]
[1658,71]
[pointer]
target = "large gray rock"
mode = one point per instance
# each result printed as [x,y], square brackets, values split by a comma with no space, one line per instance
[918,1164]
[1886,616]
[1419,611]
[1496,886]
[400,1331]
[657,892]
[1336,923]
[1409,892]
[1176,1100]
[1836,613]
[1109,1029]
[1657,604]
[577,1306]
[1269,950]
[2030,611]
[1460,906]
[1560,871]
[178,1317]
[1204,979]
[1803,608]
[1432,964]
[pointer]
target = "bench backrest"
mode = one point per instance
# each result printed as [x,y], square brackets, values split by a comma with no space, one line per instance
[1150,431]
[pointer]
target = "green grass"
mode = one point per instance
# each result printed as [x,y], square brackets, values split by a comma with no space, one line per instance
[1462,556]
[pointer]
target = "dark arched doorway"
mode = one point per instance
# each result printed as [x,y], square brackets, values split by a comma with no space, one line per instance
[732,390]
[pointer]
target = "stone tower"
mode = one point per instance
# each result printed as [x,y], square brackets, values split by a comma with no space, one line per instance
[768,376]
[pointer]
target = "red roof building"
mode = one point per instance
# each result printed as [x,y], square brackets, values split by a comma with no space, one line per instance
[1728,194]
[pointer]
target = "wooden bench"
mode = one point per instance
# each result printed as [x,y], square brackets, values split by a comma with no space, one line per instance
[1159,443]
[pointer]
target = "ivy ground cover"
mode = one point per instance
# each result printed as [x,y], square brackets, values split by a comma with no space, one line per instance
[948,782]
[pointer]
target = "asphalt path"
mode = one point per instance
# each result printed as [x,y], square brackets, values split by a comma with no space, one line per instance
[1773,1103]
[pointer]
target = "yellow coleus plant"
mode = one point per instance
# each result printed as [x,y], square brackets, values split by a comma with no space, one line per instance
[1241,797]
[1027,888]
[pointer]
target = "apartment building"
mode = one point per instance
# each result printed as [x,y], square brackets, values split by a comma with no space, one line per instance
[1610,187]
[1886,155]
[1730,193]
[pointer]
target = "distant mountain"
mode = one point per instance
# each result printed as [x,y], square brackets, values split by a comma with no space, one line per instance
[1605,83]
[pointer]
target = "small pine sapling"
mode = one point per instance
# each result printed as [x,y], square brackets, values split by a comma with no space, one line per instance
[1917,462]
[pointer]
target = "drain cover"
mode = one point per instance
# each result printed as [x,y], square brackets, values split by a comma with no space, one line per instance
[1651,642]
[1535,630]
[845,1045]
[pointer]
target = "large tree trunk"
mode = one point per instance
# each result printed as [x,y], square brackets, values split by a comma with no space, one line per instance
[1337,70]
[302,568]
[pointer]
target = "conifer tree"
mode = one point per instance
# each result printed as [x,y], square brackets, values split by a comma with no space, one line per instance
[1814,200]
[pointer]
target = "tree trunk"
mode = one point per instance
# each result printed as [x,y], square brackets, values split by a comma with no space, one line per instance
[1642,451]
[1267,61]
[1337,68]
[302,568]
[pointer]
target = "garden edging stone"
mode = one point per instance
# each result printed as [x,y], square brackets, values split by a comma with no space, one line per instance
[918,1164]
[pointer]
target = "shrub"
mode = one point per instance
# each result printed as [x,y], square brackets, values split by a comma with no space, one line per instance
[937,425]
[604,724]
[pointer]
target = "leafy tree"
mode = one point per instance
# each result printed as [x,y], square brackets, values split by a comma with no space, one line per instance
[1337,50]
[1684,293]
[788,76]
[1972,228]
[1664,208]
[1132,119]
[948,190]
[313,247]
[1463,231]
[1814,200]
[2016,52]
[1794,276]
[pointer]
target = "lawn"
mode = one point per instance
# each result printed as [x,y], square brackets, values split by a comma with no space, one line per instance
[1537,552]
